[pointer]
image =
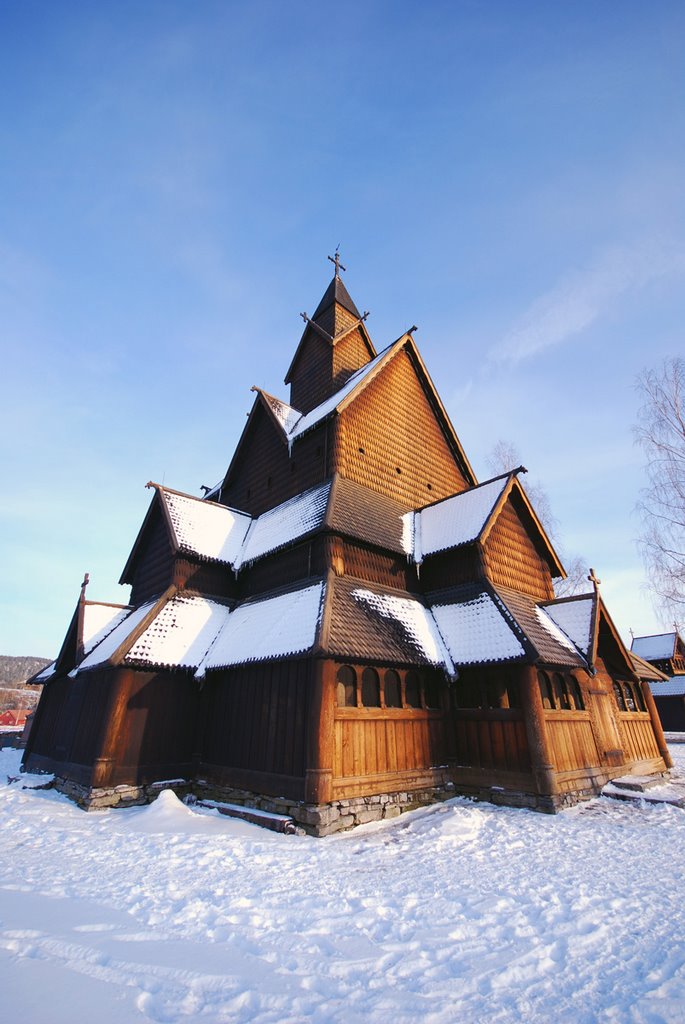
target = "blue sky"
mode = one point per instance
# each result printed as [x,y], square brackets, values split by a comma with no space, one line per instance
[510,177]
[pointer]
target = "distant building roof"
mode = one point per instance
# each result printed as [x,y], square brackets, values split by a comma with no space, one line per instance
[654,648]
[673,687]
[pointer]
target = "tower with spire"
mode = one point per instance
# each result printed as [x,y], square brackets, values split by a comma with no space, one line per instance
[348,625]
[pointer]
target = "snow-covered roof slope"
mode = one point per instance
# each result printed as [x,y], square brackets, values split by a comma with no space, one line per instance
[286,415]
[285,523]
[106,648]
[412,619]
[575,616]
[180,634]
[310,419]
[210,531]
[45,673]
[98,622]
[554,632]
[654,648]
[274,627]
[477,631]
[673,687]
[456,520]
[221,534]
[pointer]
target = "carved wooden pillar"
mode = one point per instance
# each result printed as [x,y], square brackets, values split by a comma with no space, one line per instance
[538,744]
[656,724]
[318,786]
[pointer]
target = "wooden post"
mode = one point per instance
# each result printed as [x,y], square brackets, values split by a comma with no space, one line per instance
[113,718]
[318,786]
[538,745]
[656,724]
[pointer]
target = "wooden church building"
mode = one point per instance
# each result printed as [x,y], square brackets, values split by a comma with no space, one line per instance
[348,625]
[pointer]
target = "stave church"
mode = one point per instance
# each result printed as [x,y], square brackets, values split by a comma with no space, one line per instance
[348,625]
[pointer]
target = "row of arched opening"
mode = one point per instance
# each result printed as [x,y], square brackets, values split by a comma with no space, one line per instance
[560,692]
[629,696]
[390,688]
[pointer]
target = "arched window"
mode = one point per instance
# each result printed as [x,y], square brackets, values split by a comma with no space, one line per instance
[412,689]
[618,694]
[639,696]
[371,688]
[545,691]
[432,692]
[392,689]
[630,699]
[347,687]
[576,695]
[560,692]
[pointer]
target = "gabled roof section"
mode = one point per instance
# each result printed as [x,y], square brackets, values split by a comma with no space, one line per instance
[658,647]
[646,671]
[577,617]
[469,516]
[455,521]
[546,641]
[212,532]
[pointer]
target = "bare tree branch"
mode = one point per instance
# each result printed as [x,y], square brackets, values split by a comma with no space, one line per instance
[660,432]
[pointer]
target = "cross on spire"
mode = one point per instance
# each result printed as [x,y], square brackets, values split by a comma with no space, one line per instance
[336,259]
[593,579]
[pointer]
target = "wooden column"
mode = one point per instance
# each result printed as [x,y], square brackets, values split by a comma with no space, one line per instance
[112,724]
[538,744]
[656,724]
[318,786]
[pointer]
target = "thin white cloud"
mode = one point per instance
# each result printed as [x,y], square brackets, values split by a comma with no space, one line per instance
[583,296]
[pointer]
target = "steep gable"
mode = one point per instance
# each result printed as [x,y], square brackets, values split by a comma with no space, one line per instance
[393,435]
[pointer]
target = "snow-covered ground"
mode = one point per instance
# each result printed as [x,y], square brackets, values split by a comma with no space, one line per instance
[464,912]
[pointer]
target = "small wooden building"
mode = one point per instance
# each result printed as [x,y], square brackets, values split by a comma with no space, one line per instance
[665,654]
[348,624]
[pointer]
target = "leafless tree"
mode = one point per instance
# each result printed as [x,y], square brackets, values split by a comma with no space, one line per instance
[504,457]
[660,430]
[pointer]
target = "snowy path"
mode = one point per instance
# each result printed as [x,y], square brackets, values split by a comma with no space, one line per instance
[463,912]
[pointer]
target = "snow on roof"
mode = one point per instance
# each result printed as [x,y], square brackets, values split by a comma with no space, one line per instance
[98,622]
[575,618]
[456,520]
[106,648]
[673,687]
[654,648]
[550,627]
[414,620]
[310,419]
[285,523]
[271,628]
[211,531]
[477,631]
[46,673]
[286,415]
[180,634]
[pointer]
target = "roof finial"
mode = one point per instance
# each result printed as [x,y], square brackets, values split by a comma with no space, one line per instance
[594,580]
[336,259]
[86,581]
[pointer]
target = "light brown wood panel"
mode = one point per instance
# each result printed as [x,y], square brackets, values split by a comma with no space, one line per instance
[637,734]
[571,739]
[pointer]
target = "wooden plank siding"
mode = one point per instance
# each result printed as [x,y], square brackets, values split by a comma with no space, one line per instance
[154,568]
[512,560]
[254,722]
[492,738]
[392,426]
[264,474]
[637,735]
[571,740]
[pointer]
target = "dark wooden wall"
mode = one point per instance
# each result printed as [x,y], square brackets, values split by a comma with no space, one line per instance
[255,727]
